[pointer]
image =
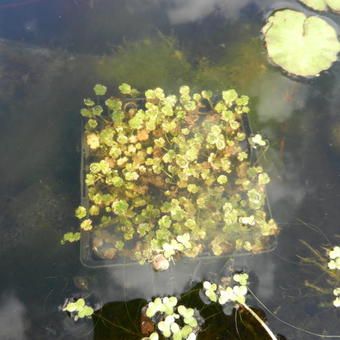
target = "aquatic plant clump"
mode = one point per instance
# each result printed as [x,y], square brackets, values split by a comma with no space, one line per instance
[334,258]
[70,237]
[173,321]
[329,263]
[172,175]
[78,309]
[334,264]
[301,45]
[233,291]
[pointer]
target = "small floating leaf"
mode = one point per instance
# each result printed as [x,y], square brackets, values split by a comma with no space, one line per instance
[80,212]
[154,336]
[100,90]
[125,88]
[89,102]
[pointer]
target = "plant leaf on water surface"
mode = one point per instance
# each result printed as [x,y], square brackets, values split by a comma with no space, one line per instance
[321,5]
[100,90]
[301,45]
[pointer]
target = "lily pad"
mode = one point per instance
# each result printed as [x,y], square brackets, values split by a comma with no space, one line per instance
[301,45]
[321,5]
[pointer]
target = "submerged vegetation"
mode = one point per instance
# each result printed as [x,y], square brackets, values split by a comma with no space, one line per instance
[147,63]
[239,67]
[162,62]
[171,175]
[329,263]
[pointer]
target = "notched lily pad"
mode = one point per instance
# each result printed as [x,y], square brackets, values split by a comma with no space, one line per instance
[301,45]
[322,5]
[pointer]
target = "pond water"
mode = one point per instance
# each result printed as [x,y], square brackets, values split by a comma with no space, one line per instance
[51,55]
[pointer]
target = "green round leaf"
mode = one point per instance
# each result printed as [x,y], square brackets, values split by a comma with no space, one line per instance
[100,90]
[181,310]
[154,336]
[151,310]
[71,307]
[87,311]
[80,303]
[125,88]
[185,331]
[301,45]
[191,321]
[89,102]
[172,301]
[177,336]
[321,5]
[229,96]
[80,212]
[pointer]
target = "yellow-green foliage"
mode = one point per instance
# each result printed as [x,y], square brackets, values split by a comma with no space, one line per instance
[146,64]
[174,174]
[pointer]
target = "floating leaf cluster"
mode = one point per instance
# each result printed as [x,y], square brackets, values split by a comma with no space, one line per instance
[174,321]
[70,237]
[172,175]
[234,291]
[78,309]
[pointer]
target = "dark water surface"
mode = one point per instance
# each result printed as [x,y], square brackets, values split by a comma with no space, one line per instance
[51,55]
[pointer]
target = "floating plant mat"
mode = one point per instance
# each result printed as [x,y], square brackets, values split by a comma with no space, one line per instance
[166,176]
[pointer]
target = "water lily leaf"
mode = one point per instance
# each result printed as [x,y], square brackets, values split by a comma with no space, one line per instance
[321,5]
[301,45]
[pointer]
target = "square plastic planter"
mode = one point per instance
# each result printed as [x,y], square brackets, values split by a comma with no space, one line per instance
[176,177]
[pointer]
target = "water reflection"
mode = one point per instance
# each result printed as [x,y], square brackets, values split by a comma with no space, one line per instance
[189,11]
[13,311]
[40,94]
[288,97]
